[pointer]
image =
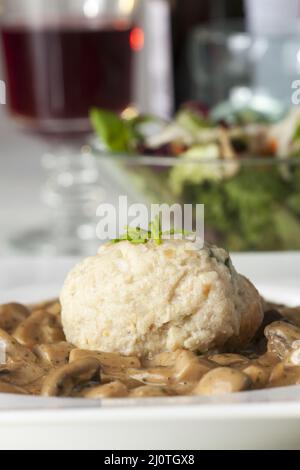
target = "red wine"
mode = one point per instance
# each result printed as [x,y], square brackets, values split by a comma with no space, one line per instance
[56,73]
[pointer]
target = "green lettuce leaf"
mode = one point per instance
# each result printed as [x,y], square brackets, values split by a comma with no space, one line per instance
[118,135]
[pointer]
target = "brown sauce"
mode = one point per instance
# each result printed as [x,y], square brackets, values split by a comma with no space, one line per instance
[37,360]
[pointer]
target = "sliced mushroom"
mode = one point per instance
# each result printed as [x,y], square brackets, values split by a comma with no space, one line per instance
[281,337]
[52,306]
[271,315]
[190,368]
[9,388]
[40,328]
[109,361]
[293,358]
[268,360]
[14,351]
[228,359]
[283,375]
[259,375]
[221,381]
[45,363]
[22,373]
[121,376]
[159,376]
[165,359]
[112,390]
[11,315]
[181,388]
[21,367]
[63,381]
[147,391]
[55,355]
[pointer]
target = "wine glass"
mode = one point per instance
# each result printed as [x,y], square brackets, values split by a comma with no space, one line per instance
[61,58]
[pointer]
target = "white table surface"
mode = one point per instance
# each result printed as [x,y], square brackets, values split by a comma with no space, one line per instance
[21,178]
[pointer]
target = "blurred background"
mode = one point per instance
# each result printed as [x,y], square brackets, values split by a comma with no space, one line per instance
[155,56]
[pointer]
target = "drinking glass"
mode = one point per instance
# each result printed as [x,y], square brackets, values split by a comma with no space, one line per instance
[61,58]
[228,64]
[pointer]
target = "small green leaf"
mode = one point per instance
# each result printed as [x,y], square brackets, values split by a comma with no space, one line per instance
[117,134]
[156,230]
[136,233]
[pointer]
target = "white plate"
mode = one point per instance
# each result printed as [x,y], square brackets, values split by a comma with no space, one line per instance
[256,420]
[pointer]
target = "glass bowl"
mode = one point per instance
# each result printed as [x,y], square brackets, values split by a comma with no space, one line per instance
[251,204]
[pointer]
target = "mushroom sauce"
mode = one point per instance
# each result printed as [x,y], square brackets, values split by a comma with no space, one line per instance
[35,359]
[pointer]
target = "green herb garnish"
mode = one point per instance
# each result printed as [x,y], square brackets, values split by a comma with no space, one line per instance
[155,230]
[138,236]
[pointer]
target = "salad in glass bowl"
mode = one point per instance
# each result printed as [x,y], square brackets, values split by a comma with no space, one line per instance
[244,167]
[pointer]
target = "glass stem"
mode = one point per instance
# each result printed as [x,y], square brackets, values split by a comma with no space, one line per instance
[72,193]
